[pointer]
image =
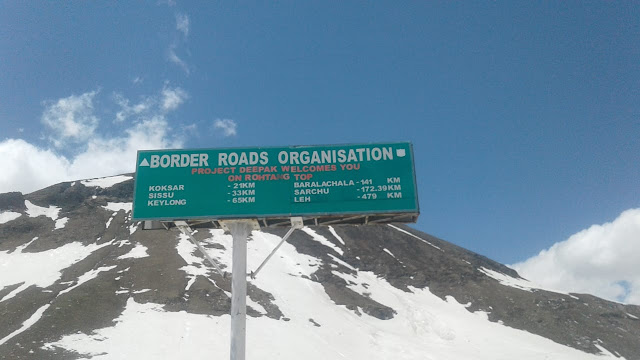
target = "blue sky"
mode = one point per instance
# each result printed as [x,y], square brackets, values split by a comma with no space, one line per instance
[525,116]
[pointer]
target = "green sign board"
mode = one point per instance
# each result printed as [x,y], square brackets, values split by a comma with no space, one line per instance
[275,182]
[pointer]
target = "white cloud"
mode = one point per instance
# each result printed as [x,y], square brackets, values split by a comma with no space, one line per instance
[168,2]
[118,155]
[601,260]
[168,100]
[174,58]
[71,119]
[172,98]
[227,126]
[127,110]
[182,24]
[27,167]
[190,129]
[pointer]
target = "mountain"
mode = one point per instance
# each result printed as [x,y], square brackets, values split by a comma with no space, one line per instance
[80,280]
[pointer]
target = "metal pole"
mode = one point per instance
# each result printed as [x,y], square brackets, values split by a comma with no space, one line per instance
[240,231]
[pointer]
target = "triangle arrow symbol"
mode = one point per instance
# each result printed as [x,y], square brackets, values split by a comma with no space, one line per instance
[144,163]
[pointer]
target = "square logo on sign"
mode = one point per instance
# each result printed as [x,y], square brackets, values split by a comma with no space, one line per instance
[401,152]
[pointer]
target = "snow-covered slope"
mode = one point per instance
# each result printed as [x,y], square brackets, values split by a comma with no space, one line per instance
[99,287]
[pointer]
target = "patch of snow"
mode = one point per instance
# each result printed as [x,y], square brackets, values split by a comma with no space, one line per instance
[122,243]
[323,240]
[184,336]
[89,275]
[521,284]
[604,351]
[350,280]
[186,249]
[41,269]
[60,223]
[197,266]
[141,291]
[424,327]
[507,280]
[342,262]
[393,256]
[23,286]
[27,323]
[133,228]
[7,216]
[633,317]
[192,280]
[108,222]
[256,306]
[389,252]
[21,248]
[417,237]
[482,314]
[35,210]
[115,207]
[105,182]
[335,234]
[139,251]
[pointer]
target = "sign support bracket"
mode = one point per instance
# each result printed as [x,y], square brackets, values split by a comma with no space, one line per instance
[296,223]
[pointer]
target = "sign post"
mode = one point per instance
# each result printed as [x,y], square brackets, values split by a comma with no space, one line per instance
[240,231]
[329,184]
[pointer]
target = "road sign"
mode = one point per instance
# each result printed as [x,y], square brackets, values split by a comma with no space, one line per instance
[275,182]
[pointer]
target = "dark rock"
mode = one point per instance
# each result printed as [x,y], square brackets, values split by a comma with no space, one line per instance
[13,201]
